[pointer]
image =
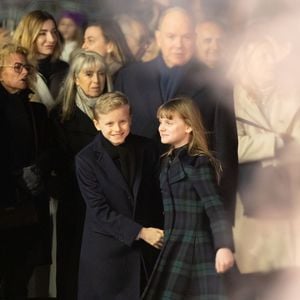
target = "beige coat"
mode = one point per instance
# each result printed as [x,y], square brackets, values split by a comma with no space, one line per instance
[266,244]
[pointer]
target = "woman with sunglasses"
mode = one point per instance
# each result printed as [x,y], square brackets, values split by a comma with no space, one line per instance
[24,208]
[37,31]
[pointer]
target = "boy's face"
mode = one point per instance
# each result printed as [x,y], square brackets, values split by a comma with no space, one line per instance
[115,125]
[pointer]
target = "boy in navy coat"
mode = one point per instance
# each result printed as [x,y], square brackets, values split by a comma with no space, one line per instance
[118,179]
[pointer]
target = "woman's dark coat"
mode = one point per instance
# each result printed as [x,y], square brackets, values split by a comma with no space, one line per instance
[110,262]
[25,140]
[196,226]
[71,136]
[53,73]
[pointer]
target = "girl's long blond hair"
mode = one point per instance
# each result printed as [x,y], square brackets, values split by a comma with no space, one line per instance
[189,112]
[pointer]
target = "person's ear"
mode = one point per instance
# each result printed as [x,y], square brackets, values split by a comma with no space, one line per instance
[109,47]
[76,80]
[158,38]
[97,124]
[188,129]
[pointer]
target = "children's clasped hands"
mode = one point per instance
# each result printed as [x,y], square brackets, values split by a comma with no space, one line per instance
[224,260]
[152,236]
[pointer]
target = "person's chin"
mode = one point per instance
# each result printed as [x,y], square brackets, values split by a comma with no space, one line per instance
[117,141]
[164,141]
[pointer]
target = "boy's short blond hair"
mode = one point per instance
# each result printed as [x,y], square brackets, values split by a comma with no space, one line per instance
[109,102]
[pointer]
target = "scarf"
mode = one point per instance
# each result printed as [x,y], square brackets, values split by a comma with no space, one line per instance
[123,157]
[43,94]
[169,79]
[85,103]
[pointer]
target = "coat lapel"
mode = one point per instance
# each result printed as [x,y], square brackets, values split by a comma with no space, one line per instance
[107,166]
[246,108]
[138,172]
[173,170]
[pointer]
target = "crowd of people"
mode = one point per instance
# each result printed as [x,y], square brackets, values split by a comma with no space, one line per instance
[158,160]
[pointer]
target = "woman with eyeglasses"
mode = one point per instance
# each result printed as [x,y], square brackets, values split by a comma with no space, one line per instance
[24,206]
[37,31]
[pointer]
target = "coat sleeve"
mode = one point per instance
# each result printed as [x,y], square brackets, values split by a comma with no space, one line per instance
[255,144]
[107,220]
[205,185]
[226,147]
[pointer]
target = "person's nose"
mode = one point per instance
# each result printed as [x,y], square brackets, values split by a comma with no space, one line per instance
[96,78]
[178,42]
[84,46]
[51,37]
[24,71]
[117,127]
[161,128]
[215,45]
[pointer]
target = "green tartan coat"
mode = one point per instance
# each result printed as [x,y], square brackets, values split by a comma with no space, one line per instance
[196,226]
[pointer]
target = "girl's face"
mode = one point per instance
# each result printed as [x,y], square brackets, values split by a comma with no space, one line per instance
[91,80]
[47,39]
[174,131]
[67,28]
[115,125]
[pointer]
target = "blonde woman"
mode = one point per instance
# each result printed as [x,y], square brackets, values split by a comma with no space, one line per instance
[74,129]
[37,31]
[268,123]
[24,204]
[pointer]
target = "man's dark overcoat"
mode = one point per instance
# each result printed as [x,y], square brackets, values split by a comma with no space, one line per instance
[111,259]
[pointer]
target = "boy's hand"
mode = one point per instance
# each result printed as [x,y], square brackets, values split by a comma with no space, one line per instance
[152,236]
[224,260]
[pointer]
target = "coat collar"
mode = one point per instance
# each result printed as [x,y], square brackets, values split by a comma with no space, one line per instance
[107,166]
[173,170]
[246,108]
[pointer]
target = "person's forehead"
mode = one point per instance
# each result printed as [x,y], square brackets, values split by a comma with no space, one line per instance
[15,57]
[93,31]
[209,29]
[48,24]
[92,66]
[174,18]
[66,20]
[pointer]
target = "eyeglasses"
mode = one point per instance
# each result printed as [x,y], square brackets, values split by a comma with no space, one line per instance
[18,67]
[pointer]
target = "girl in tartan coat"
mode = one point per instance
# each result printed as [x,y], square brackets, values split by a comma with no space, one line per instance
[197,236]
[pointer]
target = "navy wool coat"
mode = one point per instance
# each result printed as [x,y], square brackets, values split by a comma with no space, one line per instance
[110,261]
[196,226]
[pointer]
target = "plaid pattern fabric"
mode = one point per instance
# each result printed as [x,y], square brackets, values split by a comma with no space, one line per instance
[195,227]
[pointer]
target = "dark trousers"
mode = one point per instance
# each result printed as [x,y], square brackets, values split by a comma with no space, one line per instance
[15,273]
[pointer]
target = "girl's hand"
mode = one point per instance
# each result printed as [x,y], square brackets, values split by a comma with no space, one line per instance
[152,236]
[224,260]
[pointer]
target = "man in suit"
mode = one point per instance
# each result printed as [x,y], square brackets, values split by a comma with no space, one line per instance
[118,178]
[175,73]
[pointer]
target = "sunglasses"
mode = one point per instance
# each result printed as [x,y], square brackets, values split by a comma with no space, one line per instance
[18,67]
